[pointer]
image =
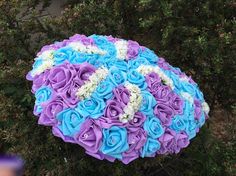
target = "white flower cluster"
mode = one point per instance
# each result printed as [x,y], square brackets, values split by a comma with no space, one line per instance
[187,97]
[184,79]
[146,69]
[90,49]
[47,56]
[90,86]
[47,62]
[134,103]
[121,49]
[205,107]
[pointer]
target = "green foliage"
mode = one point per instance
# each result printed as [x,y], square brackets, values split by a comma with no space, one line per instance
[197,36]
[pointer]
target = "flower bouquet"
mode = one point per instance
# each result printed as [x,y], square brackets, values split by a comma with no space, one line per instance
[115,98]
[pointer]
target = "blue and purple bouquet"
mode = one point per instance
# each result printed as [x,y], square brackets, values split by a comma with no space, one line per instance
[115,98]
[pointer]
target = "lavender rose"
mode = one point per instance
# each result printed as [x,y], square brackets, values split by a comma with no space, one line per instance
[163,64]
[111,114]
[50,110]
[133,49]
[197,109]
[176,103]
[85,70]
[69,93]
[136,122]
[60,76]
[152,78]
[136,141]
[89,136]
[121,94]
[40,80]
[164,113]
[162,93]
[113,109]
[82,38]
[172,142]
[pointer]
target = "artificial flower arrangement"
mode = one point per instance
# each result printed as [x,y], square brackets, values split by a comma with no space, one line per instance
[115,98]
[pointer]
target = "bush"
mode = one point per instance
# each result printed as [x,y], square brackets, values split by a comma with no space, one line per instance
[197,36]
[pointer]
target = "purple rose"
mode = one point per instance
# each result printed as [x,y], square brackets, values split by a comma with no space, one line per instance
[45,48]
[163,64]
[87,41]
[172,142]
[152,78]
[50,110]
[136,122]
[69,92]
[85,70]
[133,49]
[54,46]
[82,73]
[176,103]
[89,136]
[61,76]
[197,109]
[111,114]
[121,94]
[82,38]
[112,39]
[164,113]
[40,80]
[162,94]
[113,109]
[136,141]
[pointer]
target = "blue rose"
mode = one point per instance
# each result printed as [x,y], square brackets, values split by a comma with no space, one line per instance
[78,58]
[187,108]
[135,77]
[37,63]
[70,121]
[178,123]
[188,111]
[63,54]
[92,107]
[99,40]
[149,55]
[43,94]
[110,49]
[120,64]
[191,127]
[95,60]
[114,142]
[104,90]
[153,127]
[177,69]
[104,44]
[199,94]
[148,103]
[135,63]
[150,148]
[201,121]
[174,78]
[116,76]
[188,87]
